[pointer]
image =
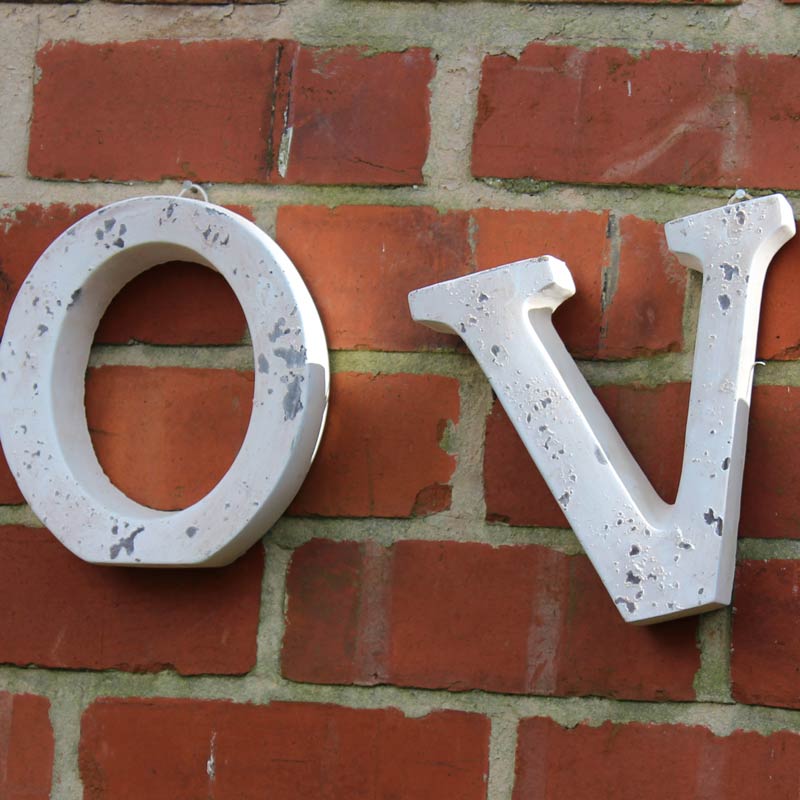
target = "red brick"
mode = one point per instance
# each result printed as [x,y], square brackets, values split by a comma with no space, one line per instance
[177,303]
[381,454]
[58,611]
[769,494]
[652,423]
[514,489]
[26,747]
[579,238]
[766,649]
[357,118]
[9,491]
[360,263]
[163,749]
[461,616]
[611,116]
[216,110]
[152,110]
[639,312]
[779,324]
[643,313]
[166,436]
[660,762]
[325,590]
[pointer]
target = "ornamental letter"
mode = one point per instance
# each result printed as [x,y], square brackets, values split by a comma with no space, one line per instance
[44,357]
[657,561]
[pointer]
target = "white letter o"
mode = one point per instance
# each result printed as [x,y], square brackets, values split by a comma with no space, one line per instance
[44,356]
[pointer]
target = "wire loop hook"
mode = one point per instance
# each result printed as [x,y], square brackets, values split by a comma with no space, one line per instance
[195,188]
[739,196]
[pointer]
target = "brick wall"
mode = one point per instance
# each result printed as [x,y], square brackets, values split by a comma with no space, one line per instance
[421,623]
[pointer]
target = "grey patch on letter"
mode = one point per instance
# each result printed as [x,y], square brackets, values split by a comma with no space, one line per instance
[278,331]
[292,404]
[125,544]
[293,356]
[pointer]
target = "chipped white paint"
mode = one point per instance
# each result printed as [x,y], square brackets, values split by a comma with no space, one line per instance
[44,356]
[211,764]
[656,560]
[283,151]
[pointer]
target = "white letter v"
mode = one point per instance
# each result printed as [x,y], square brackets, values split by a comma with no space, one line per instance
[656,560]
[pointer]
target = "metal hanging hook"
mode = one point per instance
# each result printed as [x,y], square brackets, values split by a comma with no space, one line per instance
[739,196]
[188,186]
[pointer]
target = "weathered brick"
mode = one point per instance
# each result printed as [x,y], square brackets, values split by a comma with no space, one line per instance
[766,649]
[769,492]
[326,588]
[360,263]
[352,117]
[652,423]
[463,616]
[643,303]
[381,454]
[163,749]
[579,238]
[58,611]
[9,491]
[26,747]
[514,489]
[166,436]
[229,111]
[611,116]
[177,303]
[629,297]
[779,323]
[152,110]
[634,760]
